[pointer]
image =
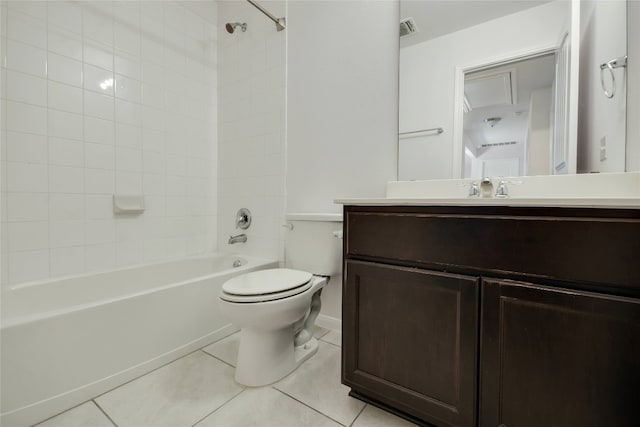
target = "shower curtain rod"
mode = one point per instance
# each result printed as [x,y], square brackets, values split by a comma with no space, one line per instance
[280,22]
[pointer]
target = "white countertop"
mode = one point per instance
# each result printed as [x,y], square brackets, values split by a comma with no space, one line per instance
[618,203]
[606,190]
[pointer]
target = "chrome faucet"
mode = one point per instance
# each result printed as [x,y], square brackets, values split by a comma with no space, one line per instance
[486,187]
[501,191]
[474,190]
[239,238]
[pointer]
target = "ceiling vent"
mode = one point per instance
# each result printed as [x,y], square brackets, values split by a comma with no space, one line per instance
[497,144]
[407,27]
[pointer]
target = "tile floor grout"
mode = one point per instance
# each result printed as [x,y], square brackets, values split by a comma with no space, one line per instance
[314,409]
[218,358]
[104,412]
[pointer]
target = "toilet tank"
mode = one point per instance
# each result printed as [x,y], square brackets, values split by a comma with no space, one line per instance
[311,243]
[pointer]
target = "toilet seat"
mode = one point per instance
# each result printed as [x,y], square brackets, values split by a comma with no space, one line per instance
[266,285]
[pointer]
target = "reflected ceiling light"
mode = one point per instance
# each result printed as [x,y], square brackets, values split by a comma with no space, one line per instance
[106,84]
[492,121]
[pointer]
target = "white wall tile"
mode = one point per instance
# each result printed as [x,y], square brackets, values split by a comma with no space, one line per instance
[65,125]
[128,89]
[99,181]
[128,253]
[67,260]
[97,26]
[66,152]
[64,42]
[128,112]
[27,206]
[99,130]
[27,29]
[98,206]
[72,144]
[128,65]
[28,266]
[26,58]
[26,88]
[98,54]
[128,136]
[100,231]
[64,179]
[126,39]
[26,118]
[64,70]
[65,14]
[64,97]
[128,159]
[66,233]
[26,147]
[27,177]
[37,9]
[26,236]
[98,106]
[100,257]
[128,182]
[64,206]
[99,156]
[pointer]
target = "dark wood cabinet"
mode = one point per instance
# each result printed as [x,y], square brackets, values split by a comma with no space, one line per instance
[494,316]
[554,357]
[434,331]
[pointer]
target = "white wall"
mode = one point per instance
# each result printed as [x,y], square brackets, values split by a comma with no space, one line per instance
[427,74]
[633,86]
[603,37]
[342,113]
[252,87]
[342,118]
[539,133]
[68,145]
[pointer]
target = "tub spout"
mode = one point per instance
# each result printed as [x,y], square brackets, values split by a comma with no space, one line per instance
[240,238]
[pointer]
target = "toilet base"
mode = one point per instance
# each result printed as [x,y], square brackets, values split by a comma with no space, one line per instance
[266,357]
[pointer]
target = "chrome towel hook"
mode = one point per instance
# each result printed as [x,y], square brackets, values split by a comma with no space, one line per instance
[610,65]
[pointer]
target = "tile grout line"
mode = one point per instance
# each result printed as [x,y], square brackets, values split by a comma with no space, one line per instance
[104,412]
[358,416]
[217,358]
[215,410]
[310,407]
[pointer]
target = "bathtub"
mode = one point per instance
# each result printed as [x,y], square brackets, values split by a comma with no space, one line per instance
[68,340]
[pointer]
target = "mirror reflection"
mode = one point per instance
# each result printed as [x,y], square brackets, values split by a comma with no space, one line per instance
[552,118]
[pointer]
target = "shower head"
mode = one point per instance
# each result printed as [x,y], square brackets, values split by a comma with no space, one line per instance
[231,27]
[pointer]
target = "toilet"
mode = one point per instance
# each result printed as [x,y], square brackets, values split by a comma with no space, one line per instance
[276,309]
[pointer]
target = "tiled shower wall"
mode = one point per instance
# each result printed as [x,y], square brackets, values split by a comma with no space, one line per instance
[104,98]
[251,145]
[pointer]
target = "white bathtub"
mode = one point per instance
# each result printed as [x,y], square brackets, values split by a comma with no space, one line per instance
[65,341]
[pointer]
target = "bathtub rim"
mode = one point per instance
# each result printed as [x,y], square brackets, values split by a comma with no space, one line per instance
[6,323]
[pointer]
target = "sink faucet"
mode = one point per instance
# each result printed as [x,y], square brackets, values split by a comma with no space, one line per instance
[486,187]
[240,238]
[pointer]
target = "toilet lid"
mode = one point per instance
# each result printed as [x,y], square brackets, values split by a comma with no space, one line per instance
[266,282]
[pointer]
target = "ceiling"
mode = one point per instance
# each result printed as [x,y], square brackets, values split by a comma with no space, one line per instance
[435,18]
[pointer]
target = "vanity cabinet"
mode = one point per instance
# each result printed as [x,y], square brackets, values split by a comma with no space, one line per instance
[494,316]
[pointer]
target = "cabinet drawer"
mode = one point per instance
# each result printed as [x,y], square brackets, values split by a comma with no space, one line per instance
[559,246]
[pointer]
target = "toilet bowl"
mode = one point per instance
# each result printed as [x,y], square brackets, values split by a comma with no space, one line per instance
[276,309]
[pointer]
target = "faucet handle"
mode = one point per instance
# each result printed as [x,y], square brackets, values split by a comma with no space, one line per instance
[474,190]
[501,191]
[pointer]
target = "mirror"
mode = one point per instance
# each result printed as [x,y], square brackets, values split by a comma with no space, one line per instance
[447,45]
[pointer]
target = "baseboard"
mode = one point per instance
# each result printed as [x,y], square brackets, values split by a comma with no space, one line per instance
[39,411]
[327,322]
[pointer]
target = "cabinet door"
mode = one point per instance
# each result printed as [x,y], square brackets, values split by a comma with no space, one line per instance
[410,340]
[553,357]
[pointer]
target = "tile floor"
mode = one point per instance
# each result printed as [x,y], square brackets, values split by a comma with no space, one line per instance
[199,390]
